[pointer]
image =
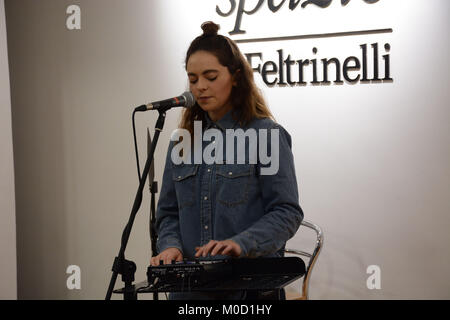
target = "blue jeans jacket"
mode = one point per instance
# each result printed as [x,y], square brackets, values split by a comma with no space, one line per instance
[200,202]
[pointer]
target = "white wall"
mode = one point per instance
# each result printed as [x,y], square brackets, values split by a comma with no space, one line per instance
[372,160]
[8,263]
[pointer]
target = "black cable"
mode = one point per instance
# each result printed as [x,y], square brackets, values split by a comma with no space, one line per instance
[155,296]
[136,147]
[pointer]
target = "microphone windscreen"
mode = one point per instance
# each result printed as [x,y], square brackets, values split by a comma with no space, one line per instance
[189,98]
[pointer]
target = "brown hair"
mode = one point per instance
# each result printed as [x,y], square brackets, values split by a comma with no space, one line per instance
[246,97]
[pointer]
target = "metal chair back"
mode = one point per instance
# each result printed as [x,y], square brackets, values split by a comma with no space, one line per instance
[311,256]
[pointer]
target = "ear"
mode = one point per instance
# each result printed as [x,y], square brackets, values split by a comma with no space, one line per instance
[235,77]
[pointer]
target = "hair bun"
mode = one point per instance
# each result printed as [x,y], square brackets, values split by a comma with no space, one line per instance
[210,28]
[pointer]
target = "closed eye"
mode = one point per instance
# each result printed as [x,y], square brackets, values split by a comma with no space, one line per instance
[194,81]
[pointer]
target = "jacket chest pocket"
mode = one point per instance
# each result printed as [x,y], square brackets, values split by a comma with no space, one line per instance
[183,177]
[233,183]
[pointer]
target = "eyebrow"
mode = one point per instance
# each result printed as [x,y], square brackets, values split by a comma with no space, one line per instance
[204,72]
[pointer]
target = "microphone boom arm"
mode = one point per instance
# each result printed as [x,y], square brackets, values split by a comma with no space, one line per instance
[121,265]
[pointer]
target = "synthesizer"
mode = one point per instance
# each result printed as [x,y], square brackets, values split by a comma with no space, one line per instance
[188,273]
[228,274]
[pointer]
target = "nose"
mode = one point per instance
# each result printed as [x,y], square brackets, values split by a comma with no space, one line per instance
[202,84]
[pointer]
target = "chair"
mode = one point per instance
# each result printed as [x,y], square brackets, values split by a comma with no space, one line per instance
[312,258]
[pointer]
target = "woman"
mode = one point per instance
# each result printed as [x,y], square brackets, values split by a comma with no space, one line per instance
[228,208]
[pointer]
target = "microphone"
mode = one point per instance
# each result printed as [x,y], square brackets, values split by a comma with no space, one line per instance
[185,100]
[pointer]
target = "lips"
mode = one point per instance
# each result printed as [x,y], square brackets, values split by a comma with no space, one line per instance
[203,99]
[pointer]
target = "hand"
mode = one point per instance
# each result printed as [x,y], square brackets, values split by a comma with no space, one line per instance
[167,256]
[214,247]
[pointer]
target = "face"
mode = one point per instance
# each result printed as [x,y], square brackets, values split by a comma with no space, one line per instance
[210,83]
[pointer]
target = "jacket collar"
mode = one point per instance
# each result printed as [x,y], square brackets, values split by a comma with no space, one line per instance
[226,122]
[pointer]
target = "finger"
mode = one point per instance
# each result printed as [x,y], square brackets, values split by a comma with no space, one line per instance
[229,251]
[170,257]
[207,250]
[203,250]
[162,257]
[218,248]
[210,246]
[199,252]
[154,260]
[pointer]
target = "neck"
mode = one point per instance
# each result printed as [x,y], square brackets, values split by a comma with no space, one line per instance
[219,114]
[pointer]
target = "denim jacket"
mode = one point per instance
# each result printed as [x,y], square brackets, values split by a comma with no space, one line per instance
[200,202]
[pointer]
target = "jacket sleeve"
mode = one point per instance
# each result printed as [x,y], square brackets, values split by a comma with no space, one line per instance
[167,221]
[282,212]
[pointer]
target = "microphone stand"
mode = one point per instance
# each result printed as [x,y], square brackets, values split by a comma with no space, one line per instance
[122,266]
[153,186]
